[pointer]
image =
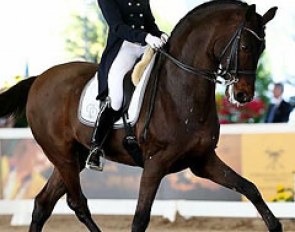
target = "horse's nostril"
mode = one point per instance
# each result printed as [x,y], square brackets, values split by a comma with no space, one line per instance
[242,97]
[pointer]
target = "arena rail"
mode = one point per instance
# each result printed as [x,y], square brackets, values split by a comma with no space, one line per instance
[17,133]
[21,209]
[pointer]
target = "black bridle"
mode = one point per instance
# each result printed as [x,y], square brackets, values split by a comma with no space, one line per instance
[224,74]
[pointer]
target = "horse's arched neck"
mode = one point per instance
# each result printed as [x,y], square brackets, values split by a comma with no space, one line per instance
[193,43]
[194,37]
[188,94]
[192,46]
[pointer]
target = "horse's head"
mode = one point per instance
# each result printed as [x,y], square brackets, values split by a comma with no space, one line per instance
[240,51]
[220,41]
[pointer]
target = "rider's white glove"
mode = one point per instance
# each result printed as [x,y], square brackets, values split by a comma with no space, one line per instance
[164,37]
[154,41]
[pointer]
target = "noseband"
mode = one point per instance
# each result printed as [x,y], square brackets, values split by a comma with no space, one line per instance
[223,75]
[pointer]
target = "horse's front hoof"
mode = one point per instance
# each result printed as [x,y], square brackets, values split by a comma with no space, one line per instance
[278,228]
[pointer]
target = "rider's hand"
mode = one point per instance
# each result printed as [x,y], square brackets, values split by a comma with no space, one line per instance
[153,41]
[164,37]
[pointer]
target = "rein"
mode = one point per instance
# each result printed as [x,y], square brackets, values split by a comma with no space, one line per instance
[213,76]
[225,76]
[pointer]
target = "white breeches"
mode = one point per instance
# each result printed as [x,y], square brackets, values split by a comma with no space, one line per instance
[124,61]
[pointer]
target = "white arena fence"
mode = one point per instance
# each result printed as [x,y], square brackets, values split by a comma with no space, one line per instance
[21,209]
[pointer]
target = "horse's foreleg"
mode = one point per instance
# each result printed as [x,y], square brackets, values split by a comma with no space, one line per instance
[217,171]
[150,180]
[46,200]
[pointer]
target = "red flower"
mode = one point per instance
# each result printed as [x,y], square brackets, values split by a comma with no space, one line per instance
[250,112]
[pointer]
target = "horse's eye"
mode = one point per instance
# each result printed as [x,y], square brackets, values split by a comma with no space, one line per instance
[245,47]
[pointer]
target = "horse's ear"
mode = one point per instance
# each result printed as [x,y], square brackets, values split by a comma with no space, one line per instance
[251,11]
[269,15]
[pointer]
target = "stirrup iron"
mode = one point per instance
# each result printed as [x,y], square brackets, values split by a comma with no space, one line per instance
[101,157]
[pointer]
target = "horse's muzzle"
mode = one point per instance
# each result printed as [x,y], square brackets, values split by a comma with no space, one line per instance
[243,97]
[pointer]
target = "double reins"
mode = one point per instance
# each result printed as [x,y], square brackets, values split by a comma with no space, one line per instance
[224,74]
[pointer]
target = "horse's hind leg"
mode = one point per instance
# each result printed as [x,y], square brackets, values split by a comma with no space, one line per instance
[82,211]
[217,171]
[46,200]
[68,165]
[70,170]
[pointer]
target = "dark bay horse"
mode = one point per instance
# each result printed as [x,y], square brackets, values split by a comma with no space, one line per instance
[224,37]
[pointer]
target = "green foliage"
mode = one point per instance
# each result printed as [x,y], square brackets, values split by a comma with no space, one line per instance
[86,35]
[163,24]
[263,78]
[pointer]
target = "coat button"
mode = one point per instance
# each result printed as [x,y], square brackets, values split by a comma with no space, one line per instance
[129,4]
[138,4]
[141,27]
[131,15]
[140,15]
[133,26]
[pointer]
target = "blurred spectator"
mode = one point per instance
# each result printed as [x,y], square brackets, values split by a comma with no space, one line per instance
[279,110]
[6,122]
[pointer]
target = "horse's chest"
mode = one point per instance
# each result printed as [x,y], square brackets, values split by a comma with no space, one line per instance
[205,141]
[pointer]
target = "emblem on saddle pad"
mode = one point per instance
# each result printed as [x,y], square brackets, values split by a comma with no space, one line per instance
[89,107]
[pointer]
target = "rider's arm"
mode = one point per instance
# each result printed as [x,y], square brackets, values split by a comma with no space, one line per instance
[151,25]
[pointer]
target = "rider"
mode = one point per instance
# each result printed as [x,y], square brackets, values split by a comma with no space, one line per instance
[131,27]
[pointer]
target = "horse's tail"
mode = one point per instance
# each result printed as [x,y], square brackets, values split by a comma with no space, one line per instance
[14,100]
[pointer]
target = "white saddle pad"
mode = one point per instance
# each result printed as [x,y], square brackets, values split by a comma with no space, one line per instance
[89,107]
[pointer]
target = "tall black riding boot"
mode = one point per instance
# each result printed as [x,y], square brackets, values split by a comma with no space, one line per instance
[102,129]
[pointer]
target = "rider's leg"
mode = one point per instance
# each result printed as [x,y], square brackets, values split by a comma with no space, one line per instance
[101,131]
[124,61]
[128,54]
